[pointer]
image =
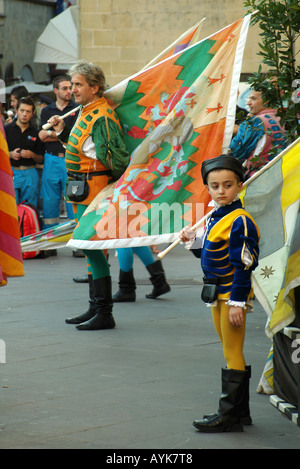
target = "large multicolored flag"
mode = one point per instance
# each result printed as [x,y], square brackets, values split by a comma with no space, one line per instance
[11,261]
[174,114]
[272,196]
[58,236]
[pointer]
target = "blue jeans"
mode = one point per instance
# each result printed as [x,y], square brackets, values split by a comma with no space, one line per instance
[53,186]
[26,184]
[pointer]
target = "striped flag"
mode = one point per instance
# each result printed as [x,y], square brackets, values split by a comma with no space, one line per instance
[272,196]
[11,262]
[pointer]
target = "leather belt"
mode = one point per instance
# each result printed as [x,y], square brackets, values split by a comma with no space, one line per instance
[60,155]
[23,167]
[90,174]
[218,280]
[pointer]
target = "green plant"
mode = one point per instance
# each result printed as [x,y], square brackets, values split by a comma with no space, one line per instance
[279,22]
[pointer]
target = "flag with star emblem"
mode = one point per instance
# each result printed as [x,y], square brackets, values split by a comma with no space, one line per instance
[11,261]
[174,115]
[272,196]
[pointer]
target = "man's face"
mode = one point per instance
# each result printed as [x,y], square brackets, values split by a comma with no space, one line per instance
[64,91]
[83,92]
[255,102]
[24,113]
[13,102]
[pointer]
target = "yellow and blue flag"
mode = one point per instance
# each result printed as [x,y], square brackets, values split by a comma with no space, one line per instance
[272,197]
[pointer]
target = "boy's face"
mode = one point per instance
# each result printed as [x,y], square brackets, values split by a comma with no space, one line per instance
[223,185]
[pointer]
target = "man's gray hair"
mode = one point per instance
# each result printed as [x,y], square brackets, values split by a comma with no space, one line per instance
[93,74]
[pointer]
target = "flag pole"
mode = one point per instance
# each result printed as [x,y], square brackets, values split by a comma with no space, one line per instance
[162,254]
[48,126]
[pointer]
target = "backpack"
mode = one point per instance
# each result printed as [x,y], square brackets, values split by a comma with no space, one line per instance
[29,223]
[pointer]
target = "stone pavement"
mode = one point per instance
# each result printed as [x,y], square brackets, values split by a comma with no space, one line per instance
[138,386]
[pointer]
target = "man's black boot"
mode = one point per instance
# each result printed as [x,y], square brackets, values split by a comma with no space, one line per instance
[158,280]
[127,287]
[92,307]
[103,319]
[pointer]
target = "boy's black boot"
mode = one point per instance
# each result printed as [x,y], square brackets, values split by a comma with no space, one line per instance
[158,280]
[227,418]
[245,410]
[103,318]
[127,287]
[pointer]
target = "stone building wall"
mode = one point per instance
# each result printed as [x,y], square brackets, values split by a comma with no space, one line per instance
[22,23]
[124,35]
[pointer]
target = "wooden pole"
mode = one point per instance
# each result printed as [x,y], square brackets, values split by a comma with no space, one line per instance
[48,126]
[262,170]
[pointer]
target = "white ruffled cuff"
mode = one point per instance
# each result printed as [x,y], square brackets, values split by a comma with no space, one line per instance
[241,304]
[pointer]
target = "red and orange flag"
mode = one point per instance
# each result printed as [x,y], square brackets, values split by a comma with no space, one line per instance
[11,262]
[174,115]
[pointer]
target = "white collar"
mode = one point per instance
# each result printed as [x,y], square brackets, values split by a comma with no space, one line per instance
[215,204]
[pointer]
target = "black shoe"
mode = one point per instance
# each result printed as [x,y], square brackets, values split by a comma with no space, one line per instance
[82,279]
[218,424]
[47,253]
[227,418]
[98,322]
[78,253]
[158,280]
[127,287]
[123,296]
[90,313]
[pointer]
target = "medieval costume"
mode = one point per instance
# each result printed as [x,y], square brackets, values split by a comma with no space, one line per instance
[228,249]
[95,155]
[256,136]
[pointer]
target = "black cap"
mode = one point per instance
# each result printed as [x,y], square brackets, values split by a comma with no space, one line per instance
[45,99]
[222,162]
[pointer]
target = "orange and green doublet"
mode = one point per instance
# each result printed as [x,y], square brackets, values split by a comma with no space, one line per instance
[87,146]
[231,235]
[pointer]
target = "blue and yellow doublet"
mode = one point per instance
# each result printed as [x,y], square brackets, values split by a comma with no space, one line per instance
[231,236]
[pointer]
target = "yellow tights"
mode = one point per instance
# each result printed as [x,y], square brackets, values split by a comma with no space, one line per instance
[232,337]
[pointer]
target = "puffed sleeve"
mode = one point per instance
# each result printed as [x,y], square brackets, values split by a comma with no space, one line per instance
[245,141]
[115,143]
[243,255]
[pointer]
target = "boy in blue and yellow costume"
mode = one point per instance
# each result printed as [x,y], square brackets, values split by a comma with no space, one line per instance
[229,250]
